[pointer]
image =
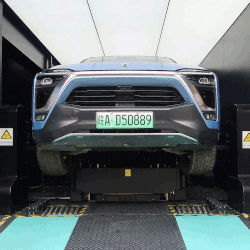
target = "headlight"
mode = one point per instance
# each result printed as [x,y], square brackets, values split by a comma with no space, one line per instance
[205,80]
[202,79]
[194,70]
[44,81]
[44,87]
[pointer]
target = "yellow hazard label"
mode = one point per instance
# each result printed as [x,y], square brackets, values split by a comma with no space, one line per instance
[128,172]
[6,135]
[247,137]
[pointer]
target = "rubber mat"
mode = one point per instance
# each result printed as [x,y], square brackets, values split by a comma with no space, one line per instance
[214,232]
[37,233]
[128,209]
[126,232]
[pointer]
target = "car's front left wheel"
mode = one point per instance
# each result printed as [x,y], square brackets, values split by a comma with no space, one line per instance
[201,161]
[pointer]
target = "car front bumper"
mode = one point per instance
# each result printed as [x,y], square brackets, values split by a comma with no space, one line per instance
[71,127]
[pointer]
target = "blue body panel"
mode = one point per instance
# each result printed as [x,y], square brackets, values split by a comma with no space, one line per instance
[107,80]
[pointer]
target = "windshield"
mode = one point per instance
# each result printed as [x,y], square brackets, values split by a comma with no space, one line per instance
[128,59]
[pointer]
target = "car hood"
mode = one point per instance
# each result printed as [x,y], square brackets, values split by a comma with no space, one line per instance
[129,66]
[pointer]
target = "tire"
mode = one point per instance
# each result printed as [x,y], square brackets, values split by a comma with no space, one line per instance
[202,161]
[51,162]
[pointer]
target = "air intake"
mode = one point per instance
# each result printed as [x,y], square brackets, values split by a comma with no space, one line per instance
[140,96]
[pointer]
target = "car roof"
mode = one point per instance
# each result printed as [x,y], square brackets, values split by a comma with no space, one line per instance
[128,59]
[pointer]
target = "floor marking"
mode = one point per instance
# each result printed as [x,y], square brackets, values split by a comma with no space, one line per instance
[209,232]
[175,213]
[172,210]
[4,219]
[37,233]
[83,210]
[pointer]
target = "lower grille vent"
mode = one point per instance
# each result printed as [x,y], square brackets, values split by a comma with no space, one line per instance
[42,98]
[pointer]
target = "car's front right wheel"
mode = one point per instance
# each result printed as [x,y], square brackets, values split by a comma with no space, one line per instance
[51,162]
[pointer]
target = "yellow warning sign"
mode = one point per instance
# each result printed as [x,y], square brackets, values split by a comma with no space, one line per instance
[6,135]
[247,137]
[127,172]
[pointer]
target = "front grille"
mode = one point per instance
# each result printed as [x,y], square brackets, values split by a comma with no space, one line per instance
[140,96]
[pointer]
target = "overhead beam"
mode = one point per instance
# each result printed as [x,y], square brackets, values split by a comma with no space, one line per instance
[18,34]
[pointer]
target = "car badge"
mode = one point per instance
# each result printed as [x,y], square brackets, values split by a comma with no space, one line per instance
[125,65]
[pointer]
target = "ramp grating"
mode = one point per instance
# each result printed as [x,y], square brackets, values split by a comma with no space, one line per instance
[193,210]
[200,210]
[62,210]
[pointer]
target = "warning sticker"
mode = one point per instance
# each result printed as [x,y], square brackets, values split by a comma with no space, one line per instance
[6,136]
[245,139]
[128,172]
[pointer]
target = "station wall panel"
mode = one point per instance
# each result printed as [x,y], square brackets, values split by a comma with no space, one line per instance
[230,60]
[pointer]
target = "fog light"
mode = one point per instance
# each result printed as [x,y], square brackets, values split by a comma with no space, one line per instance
[40,117]
[210,116]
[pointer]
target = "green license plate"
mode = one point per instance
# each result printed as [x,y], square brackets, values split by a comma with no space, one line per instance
[124,120]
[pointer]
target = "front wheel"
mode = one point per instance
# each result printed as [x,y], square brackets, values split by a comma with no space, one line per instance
[51,162]
[201,161]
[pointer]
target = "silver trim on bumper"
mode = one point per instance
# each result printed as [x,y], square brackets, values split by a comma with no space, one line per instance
[97,140]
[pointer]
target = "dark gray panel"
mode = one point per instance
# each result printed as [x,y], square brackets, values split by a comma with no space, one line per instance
[230,60]
[126,232]
[214,60]
[236,82]
[128,209]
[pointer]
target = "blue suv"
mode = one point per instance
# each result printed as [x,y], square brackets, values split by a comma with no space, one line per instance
[126,103]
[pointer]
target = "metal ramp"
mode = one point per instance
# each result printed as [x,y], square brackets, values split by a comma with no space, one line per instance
[159,225]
